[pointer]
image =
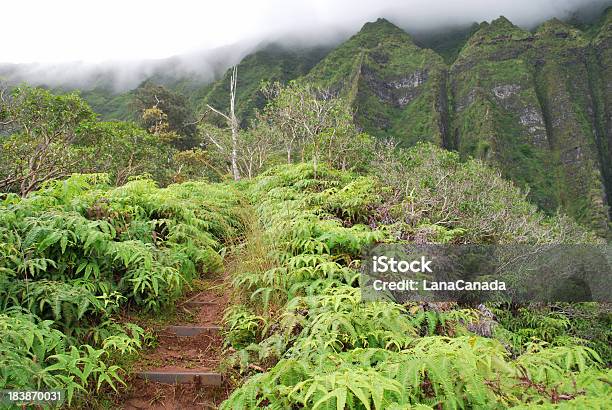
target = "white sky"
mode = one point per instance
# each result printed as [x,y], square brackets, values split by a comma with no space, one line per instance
[71,30]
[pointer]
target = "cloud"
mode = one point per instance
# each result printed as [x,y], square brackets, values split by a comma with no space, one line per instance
[117,75]
[64,39]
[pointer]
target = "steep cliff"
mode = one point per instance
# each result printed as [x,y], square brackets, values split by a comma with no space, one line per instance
[525,102]
[601,85]
[396,88]
[496,114]
[560,56]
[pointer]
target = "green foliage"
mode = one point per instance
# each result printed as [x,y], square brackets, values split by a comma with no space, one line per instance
[50,137]
[314,124]
[39,129]
[77,251]
[241,327]
[437,196]
[325,348]
[559,325]
[138,240]
[33,355]
[123,150]
[174,106]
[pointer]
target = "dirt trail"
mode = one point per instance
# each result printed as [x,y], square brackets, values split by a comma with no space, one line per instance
[179,356]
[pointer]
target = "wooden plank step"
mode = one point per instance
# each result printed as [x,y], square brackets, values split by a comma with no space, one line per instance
[192,330]
[203,378]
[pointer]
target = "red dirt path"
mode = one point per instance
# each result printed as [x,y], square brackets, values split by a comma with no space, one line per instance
[202,352]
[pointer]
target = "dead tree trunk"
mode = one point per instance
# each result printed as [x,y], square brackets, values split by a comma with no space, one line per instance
[232,123]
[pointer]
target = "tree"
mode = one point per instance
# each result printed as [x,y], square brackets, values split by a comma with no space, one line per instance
[191,164]
[178,116]
[45,136]
[123,150]
[285,111]
[257,147]
[39,129]
[158,124]
[313,122]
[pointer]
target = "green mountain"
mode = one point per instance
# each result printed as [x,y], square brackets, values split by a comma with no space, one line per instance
[561,57]
[272,63]
[396,88]
[496,114]
[526,101]
[532,103]
[108,104]
[601,84]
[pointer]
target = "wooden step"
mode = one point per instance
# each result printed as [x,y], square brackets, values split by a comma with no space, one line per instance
[204,378]
[192,330]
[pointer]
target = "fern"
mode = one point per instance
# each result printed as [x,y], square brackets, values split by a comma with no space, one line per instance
[324,348]
[76,251]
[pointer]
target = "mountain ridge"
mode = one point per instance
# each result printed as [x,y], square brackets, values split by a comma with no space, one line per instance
[389,80]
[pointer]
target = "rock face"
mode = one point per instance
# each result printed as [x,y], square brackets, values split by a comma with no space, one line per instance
[496,114]
[526,103]
[396,88]
[601,85]
[560,57]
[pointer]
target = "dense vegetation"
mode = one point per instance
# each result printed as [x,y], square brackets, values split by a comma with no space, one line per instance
[302,319]
[77,253]
[103,220]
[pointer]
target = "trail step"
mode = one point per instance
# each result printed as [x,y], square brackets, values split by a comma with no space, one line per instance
[192,330]
[200,303]
[184,376]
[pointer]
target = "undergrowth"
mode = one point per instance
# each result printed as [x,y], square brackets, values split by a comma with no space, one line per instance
[302,337]
[77,253]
